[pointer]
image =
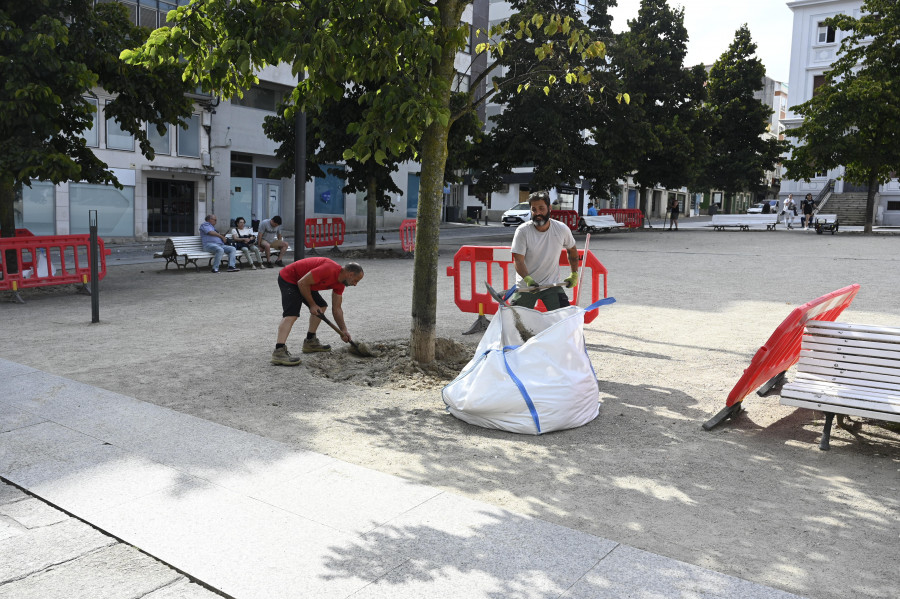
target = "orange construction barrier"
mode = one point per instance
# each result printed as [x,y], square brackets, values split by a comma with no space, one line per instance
[567,217]
[782,350]
[321,232]
[48,260]
[408,235]
[473,265]
[632,218]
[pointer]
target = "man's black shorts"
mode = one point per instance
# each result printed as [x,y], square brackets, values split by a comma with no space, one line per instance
[292,300]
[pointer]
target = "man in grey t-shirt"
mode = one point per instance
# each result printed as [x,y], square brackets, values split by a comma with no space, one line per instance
[269,238]
[535,250]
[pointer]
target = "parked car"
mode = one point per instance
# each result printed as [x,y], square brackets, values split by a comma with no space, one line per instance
[517,215]
[758,207]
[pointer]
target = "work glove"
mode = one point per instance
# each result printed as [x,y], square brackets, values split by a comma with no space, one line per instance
[572,279]
[528,281]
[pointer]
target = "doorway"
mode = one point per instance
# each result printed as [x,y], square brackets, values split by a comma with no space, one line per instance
[170,208]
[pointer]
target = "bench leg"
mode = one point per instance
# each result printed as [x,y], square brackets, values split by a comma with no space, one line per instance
[826,432]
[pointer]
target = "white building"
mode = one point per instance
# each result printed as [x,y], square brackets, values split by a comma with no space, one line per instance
[814,47]
[220,164]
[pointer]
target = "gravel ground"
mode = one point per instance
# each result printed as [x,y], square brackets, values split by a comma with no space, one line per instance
[754,498]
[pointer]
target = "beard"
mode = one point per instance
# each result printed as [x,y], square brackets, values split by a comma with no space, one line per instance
[540,219]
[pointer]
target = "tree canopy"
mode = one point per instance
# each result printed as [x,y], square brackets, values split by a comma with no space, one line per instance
[661,124]
[52,55]
[853,119]
[740,153]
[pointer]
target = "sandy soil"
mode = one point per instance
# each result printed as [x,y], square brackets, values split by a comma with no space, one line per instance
[754,498]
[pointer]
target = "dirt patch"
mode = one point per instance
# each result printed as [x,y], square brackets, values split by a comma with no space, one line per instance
[392,367]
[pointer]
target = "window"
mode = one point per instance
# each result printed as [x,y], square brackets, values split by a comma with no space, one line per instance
[461,82]
[34,208]
[825,34]
[189,138]
[818,81]
[469,33]
[258,97]
[115,208]
[116,138]
[91,135]
[893,205]
[159,143]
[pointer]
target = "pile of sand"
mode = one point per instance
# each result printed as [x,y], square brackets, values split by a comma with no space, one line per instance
[392,367]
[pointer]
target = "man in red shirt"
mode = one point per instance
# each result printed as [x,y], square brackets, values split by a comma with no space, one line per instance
[300,283]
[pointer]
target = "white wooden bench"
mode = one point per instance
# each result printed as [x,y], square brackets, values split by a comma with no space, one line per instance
[743,221]
[593,224]
[190,249]
[850,369]
[825,222]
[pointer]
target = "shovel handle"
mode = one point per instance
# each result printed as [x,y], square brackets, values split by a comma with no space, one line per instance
[333,326]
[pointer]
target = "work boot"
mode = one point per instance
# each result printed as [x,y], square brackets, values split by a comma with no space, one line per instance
[282,357]
[313,345]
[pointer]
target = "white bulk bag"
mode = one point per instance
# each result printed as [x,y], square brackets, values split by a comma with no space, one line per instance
[542,384]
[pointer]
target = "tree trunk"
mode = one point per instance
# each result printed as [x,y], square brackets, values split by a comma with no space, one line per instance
[643,203]
[8,219]
[371,204]
[870,202]
[431,196]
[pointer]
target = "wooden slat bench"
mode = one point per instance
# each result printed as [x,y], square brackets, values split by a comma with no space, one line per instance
[190,249]
[593,224]
[743,221]
[847,369]
[825,222]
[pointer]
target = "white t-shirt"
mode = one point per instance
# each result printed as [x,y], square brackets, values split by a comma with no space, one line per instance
[541,250]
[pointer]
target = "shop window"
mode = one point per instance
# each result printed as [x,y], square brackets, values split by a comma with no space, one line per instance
[329,195]
[115,209]
[34,208]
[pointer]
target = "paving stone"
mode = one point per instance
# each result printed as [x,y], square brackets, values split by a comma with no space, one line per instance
[116,572]
[182,589]
[26,554]
[629,573]
[10,493]
[10,528]
[12,418]
[32,513]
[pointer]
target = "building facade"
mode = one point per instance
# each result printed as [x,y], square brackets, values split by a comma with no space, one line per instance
[221,163]
[814,47]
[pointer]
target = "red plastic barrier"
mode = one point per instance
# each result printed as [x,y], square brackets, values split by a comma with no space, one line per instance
[322,232]
[567,217]
[782,350]
[472,260]
[632,218]
[408,235]
[69,255]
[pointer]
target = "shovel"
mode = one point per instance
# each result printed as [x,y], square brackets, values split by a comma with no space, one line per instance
[360,349]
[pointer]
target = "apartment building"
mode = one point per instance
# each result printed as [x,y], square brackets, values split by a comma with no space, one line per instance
[814,47]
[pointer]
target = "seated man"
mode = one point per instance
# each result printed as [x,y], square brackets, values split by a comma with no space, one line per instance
[214,242]
[269,238]
[591,211]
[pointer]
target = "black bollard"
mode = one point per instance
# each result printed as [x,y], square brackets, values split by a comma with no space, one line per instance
[95,268]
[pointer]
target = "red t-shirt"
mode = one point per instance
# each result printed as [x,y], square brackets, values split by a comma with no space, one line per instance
[324,271]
